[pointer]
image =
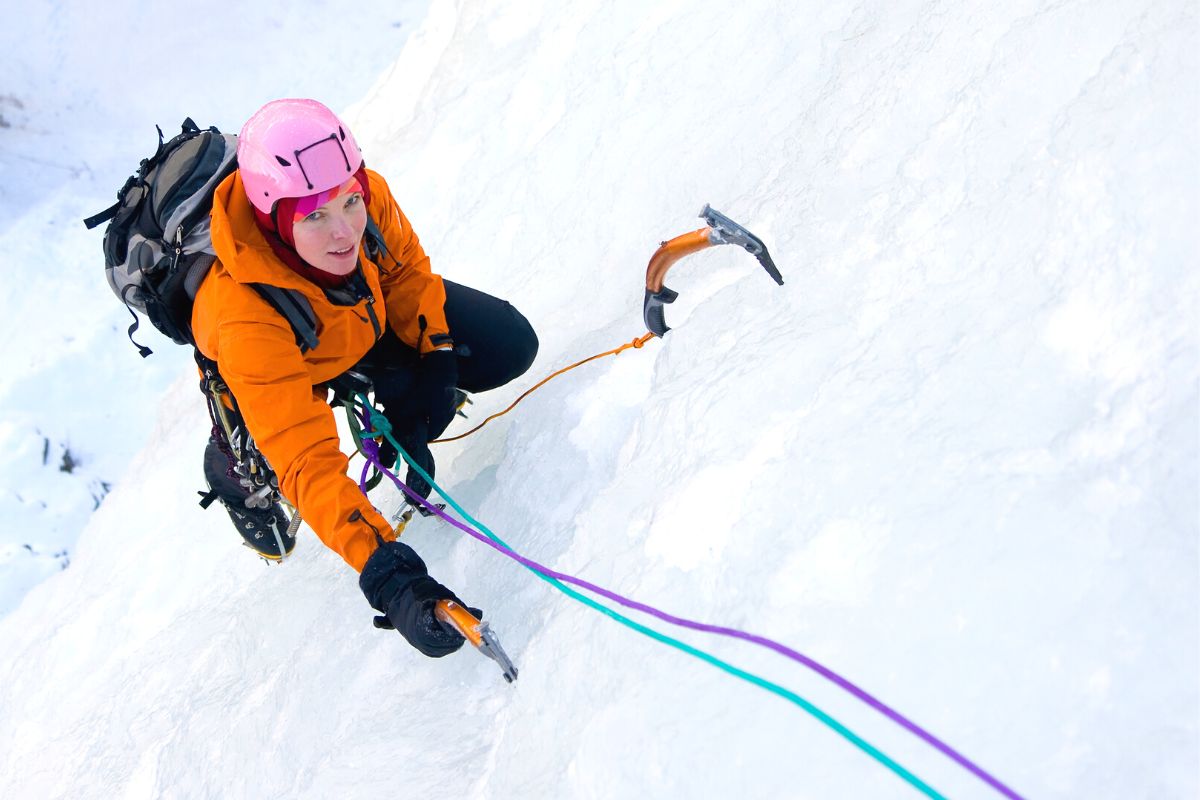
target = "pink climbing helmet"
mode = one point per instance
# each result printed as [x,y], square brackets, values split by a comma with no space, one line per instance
[294,148]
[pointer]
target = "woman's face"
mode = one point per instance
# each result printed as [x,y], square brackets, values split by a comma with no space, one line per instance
[328,237]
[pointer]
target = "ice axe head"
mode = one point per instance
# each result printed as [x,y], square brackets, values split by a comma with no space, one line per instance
[720,230]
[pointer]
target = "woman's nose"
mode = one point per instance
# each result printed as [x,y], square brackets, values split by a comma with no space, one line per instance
[342,229]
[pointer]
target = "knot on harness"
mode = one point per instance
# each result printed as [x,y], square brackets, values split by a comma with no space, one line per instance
[380,423]
[377,426]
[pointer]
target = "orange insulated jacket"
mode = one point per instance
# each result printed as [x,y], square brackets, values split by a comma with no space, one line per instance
[276,386]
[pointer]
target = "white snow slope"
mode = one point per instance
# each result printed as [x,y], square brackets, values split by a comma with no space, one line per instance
[954,458]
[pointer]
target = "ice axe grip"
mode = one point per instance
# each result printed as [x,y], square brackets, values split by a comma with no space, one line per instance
[653,312]
[720,230]
[451,613]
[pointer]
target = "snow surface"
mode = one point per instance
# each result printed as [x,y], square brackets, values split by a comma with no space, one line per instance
[954,458]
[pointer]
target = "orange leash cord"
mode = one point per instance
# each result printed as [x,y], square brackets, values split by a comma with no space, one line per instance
[636,343]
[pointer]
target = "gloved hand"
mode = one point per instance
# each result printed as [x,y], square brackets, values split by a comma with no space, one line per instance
[421,414]
[415,443]
[437,375]
[396,582]
[414,440]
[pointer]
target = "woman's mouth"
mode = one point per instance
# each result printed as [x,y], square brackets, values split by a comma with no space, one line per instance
[342,253]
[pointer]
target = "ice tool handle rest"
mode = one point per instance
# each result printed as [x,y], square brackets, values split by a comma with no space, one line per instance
[720,230]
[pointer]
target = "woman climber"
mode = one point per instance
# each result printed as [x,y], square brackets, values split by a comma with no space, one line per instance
[301,214]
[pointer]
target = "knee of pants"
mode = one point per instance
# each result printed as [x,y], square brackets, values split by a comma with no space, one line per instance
[510,354]
[525,346]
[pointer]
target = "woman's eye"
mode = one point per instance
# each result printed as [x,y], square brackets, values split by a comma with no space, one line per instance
[354,198]
[313,217]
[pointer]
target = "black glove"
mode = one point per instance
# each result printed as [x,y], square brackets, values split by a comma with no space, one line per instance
[437,375]
[414,440]
[421,414]
[396,582]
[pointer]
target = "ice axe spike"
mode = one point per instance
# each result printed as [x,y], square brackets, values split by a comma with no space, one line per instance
[478,633]
[720,230]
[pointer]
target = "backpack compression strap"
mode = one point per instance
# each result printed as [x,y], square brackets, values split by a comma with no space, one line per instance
[188,129]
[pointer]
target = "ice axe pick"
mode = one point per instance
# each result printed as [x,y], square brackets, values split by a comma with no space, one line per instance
[720,230]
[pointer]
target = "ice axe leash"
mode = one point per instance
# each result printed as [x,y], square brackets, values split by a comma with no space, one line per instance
[636,343]
[719,230]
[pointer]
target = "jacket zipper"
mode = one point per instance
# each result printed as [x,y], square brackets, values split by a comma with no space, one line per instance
[363,291]
[374,319]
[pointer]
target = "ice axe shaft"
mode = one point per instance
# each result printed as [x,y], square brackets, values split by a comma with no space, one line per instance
[720,230]
[478,633]
[671,251]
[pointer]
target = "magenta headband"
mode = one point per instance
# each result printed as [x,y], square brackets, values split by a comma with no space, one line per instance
[309,204]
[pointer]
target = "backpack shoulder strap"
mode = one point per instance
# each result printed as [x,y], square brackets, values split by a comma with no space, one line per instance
[295,308]
[375,243]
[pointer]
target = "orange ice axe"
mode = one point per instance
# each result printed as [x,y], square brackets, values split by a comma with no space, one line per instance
[478,633]
[721,230]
